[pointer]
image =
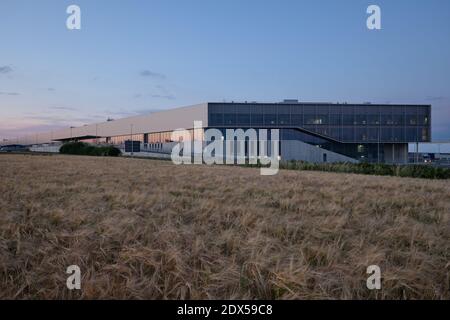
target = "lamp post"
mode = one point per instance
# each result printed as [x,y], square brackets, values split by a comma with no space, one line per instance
[379,133]
[131,127]
[439,152]
[378,146]
[417,152]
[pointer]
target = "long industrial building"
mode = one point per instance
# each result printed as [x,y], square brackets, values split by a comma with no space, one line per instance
[315,132]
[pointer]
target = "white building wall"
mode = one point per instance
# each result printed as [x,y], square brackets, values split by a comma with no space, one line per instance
[396,153]
[298,150]
[179,118]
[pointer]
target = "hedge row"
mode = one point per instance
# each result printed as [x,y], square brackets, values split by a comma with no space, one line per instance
[81,148]
[413,171]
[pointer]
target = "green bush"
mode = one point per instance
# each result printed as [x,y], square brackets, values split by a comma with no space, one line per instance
[413,171]
[112,152]
[81,148]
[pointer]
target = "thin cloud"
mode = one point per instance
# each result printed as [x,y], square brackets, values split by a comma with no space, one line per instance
[151,74]
[5,69]
[156,96]
[20,131]
[59,120]
[161,96]
[10,93]
[63,108]
[164,93]
[161,92]
[119,113]
[147,111]
[435,98]
[32,123]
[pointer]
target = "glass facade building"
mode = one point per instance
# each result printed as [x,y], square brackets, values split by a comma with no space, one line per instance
[315,132]
[359,131]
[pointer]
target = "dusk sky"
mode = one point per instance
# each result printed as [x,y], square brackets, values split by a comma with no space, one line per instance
[132,57]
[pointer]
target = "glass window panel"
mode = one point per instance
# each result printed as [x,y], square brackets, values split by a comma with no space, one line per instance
[347,134]
[348,120]
[297,109]
[336,109]
[216,119]
[412,110]
[297,120]
[360,119]
[411,134]
[386,120]
[257,119]
[335,119]
[347,109]
[423,120]
[323,131]
[310,119]
[373,119]
[282,109]
[215,108]
[397,110]
[309,109]
[360,109]
[230,119]
[398,134]
[424,134]
[398,119]
[385,109]
[244,108]
[322,109]
[322,119]
[335,132]
[229,109]
[243,119]
[270,119]
[284,119]
[422,110]
[270,109]
[386,134]
[257,109]
[372,134]
[411,120]
[361,134]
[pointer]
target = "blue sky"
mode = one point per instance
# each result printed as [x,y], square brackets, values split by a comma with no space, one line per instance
[139,56]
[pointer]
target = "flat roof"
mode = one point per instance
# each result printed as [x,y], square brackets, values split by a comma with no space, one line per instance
[325,103]
[165,120]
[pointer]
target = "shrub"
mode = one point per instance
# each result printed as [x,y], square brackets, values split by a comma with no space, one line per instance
[81,148]
[73,148]
[413,171]
[112,152]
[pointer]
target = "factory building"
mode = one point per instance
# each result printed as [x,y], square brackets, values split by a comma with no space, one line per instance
[314,132]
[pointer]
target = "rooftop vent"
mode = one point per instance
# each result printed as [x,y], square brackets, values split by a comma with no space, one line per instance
[290,101]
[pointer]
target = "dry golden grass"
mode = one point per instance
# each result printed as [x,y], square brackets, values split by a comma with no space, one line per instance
[149,229]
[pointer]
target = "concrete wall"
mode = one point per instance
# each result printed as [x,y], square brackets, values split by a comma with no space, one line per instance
[298,150]
[396,153]
[159,121]
[45,148]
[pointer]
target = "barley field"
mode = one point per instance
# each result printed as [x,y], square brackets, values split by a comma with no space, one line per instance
[146,229]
